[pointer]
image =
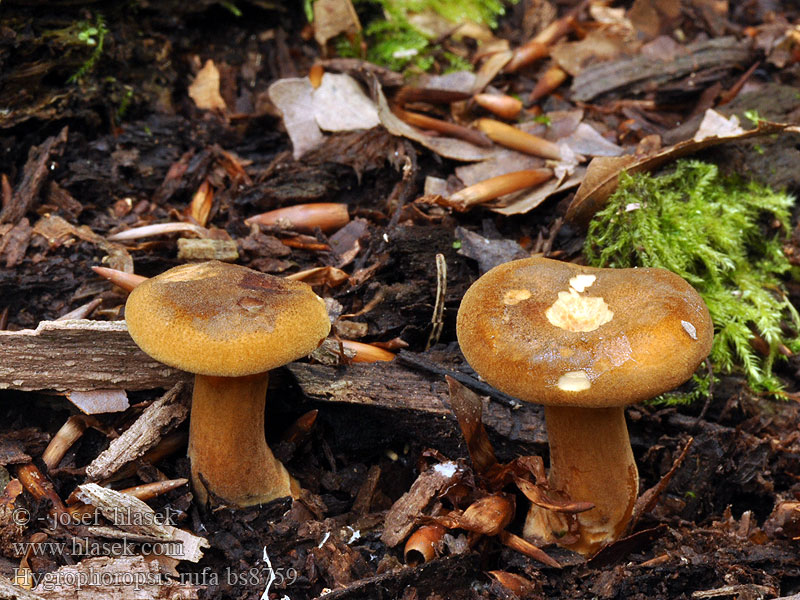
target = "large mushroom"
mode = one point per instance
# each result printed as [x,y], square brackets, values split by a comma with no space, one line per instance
[584,342]
[229,325]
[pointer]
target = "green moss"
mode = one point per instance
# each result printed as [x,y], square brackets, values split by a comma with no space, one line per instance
[722,235]
[394,42]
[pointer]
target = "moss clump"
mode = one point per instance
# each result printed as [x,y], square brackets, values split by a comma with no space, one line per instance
[394,42]
[724,237]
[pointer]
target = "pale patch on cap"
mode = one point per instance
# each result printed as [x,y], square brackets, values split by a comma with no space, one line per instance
[574,381]
[512,297]
[690,329]
[580,282]
[578,313]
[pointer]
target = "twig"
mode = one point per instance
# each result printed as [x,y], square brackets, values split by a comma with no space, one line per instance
[423,364]
[438,308]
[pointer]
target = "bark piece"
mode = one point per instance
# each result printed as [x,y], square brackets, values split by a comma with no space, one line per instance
[17,447]
[65,356]
[163,415]
[33,176]
[14,243]
[641,73]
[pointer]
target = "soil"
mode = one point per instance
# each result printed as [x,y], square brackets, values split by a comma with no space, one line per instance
[125,146]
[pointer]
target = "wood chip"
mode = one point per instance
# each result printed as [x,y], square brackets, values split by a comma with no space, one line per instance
[190,249]
[160,417]
[135,521]
[402,516]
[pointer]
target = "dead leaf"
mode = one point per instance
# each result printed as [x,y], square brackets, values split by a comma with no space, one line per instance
[204,90]
[341,105]
[447,147]
[599,45]
[467,407]
[717,125]
[293,98]
[332,17]
[491,67]
[57,230]
[587,141]
[200,207]
[488,253]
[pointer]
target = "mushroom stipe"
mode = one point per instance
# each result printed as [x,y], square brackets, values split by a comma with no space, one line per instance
[585,342]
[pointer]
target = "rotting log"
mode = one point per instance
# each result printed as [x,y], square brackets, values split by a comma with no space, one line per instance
[64,356]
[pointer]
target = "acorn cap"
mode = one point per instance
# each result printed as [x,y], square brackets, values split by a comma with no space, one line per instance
[556,333]
[215,318]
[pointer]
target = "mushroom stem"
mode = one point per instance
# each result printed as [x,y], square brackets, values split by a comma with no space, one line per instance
[227,449]
[590,460]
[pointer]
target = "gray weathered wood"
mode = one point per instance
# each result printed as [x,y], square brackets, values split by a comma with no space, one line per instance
[640,72]
[65,356]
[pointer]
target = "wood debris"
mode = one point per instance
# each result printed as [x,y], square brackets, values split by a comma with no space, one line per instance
[121,578]
[134,520]
[159,418]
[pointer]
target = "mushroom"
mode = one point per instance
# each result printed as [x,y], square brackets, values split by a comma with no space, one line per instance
[585,342]
[229,325]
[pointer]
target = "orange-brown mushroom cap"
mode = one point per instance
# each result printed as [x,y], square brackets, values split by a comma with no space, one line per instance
[556,333]
[215,318]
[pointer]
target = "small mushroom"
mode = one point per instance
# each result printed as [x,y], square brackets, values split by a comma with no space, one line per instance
[584,342]
[229,325]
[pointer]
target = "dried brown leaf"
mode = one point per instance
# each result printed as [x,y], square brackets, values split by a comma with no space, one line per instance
[332,17]
[204,90]
[602,176]
[467,407]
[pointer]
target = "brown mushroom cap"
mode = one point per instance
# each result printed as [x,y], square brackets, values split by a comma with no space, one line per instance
[215,318]
[561,334]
